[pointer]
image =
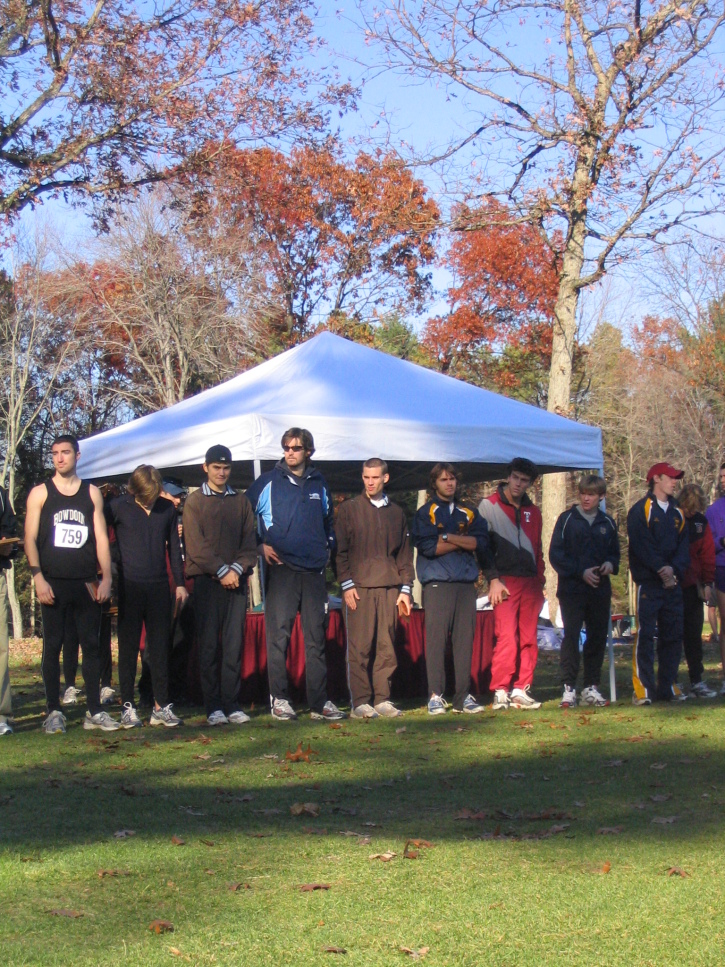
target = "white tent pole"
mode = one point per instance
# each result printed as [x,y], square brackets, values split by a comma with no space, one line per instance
[610,636]
[258,573]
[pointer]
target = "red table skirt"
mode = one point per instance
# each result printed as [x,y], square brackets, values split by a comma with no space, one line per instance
[409,680]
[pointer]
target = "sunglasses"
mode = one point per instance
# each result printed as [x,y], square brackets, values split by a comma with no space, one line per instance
[288,449]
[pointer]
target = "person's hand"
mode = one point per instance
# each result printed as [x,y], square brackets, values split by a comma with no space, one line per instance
[606,568]
[591,577]
[182,596]
[230,581]
[104,590]
[6,549]
[497,592]
[43,590]
[351,598]
[403,604]
[667,576]
[270,555]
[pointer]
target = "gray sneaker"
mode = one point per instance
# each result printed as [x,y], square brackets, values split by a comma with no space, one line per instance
[436,705]
[592,696]
[107,694]
[130,717]
[522,698]
[217,718]
[702,690]
[101,720]
[388,710]
[238,718]
[470,706]
[364,711]
[330,713]
[500,699]
[70,696]
[165,716]
[54,723]
[282,710]
[6,728]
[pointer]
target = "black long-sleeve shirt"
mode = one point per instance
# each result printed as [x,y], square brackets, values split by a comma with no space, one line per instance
[143,540]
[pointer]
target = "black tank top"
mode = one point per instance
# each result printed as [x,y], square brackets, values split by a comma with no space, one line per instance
[66,535]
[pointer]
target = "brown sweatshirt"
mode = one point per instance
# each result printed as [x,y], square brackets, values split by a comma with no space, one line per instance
[373,546]
[219,533]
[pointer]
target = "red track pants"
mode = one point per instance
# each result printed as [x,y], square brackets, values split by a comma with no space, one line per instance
[515,619]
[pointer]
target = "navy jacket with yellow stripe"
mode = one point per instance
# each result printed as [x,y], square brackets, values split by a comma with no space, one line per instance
[657,539]
[438,517]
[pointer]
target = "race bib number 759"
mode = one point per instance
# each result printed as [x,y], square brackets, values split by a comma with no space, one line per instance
[70,535]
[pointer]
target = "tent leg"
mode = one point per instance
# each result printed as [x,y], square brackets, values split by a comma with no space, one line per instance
[612,676]
[257,578]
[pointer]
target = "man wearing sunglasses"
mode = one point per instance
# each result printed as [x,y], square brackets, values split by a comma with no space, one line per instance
[294,512]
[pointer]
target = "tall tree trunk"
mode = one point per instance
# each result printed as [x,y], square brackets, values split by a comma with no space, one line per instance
[559,400]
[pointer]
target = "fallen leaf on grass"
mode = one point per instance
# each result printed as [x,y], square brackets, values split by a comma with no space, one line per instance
[664,820]
[658,765]
[161,926]
[515,775]
[203,755]
[415,954]
[235,887]
[610,830]
[614,763]
[259,835]
[210,872]
[386,857]
[413,846]
[676,871]
[467,813]
[335,725]
[72,914]
[334,950]
[606,867]
[178,841]
[102,873]
[311,887]
[312,831]
[661,797]
[401,730]
[305,809]
[207,842]
[300,755]
[177,953]
[124,833]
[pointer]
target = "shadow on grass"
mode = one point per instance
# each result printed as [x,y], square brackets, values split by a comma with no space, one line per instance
[616,769]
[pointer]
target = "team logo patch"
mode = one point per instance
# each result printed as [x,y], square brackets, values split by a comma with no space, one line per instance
[527,516]
[602,530]
[315,497]
[698,528]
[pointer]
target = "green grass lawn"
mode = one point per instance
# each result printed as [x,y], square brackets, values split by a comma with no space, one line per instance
[552,834]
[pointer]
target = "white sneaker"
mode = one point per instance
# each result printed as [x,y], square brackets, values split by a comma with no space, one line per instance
[165,716]
[6,728]
[238,718]
[101,720]
[217,718]
[54,723]
[568,699]
[130,718]
[470,706]
[522,698]
[107,694]
[282,710]
[678,694]
[436,705]
[364,711]
[500,699]
[702,690]
[70,696]
[388,710]
[330,713]
[592,696]
[640,701]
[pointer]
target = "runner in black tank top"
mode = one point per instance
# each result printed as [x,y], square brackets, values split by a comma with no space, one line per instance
[65,540]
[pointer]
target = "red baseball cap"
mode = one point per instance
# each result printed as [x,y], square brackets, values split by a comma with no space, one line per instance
[664,468]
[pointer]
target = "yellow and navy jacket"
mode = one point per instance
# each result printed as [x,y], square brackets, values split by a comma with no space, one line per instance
[657,539]
[436,518]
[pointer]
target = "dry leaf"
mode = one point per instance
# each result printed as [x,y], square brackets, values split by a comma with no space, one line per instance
[102,873]
[305,808]
[614,763]
[466,813]
[664,820]
[206,842]
[203,755]
[124,833]
[161,926]
[300,755]
[676,871]
[311,887]
[334,950]
[658,765]
[311,831]
[606,867]
[385,857]
[178,841]
[72,914]
[336,725]
[515,775]
[415,954]
[610,830]
[235,887]
[401,730]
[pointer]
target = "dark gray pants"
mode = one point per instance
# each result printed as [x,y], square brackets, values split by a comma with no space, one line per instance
[450,612]
[220,615]
[288,592]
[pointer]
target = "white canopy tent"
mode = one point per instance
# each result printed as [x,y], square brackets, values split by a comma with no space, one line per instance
[357,402]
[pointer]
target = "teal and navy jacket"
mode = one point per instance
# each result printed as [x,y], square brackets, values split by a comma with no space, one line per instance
[295,516]
[657,539]
[438,517]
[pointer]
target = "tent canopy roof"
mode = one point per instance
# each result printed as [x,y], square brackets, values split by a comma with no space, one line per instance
[357,403]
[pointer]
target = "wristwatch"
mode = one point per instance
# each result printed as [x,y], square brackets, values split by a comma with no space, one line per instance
[444,538]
